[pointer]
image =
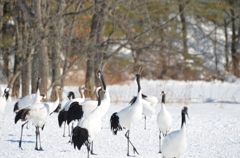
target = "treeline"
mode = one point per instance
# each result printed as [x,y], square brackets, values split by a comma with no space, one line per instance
[50,38]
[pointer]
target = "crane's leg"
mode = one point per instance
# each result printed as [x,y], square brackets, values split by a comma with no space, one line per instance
[70,133]
[27,125]
[160,142]
[145,118]
[20,142]
[134,149]
[39,141]
[36,146]
[88,147]
[64,127]
[72,126]
[92,153]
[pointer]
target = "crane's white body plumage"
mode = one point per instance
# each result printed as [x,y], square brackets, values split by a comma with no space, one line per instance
[88,127]
[131,114]
[128,116]
[28,100]
[175,143]
[164,120]
[81,110]
[149,103]
[37,114]
[90,105]
[92,122]
[38,111]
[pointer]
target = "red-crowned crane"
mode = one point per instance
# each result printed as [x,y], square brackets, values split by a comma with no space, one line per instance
[164,120]
[3,100]
[149,103]
[62,116]
[37,114]
[77,110]
[28,101]
[175,143]
[128,116]
[88,127]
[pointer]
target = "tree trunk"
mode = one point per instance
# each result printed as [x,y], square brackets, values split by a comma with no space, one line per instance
[57,50]
[95,55]
[40,30]
[34,73]
[184,35]
[226,45]
[16,84]
[43,66]
[5,63]
[234,44]
[184,30]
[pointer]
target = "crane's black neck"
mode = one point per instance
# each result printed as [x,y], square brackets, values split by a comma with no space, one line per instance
[163,98]
[99,97]
[138,82]
[103,82]
[38,81]
[183,117]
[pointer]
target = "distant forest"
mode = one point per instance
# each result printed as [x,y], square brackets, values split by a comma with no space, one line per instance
[65,42]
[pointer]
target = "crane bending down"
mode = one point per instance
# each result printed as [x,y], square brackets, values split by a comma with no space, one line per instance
[128,116]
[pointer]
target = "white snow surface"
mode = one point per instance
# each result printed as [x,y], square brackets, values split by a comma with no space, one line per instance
[213,127]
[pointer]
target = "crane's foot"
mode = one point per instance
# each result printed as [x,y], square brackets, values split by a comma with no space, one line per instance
[20,145]
[130,155]
[92,153]
[40,149]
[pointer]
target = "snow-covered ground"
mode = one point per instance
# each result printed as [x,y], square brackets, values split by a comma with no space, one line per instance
[213,129]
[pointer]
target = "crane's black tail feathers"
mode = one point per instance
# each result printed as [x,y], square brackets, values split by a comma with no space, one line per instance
[79,137]
[21,115]
[75,112]
[15,107]
[62,117]
[115,126]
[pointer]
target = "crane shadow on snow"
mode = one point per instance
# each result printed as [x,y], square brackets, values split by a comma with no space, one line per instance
[210,100]
[17,141]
